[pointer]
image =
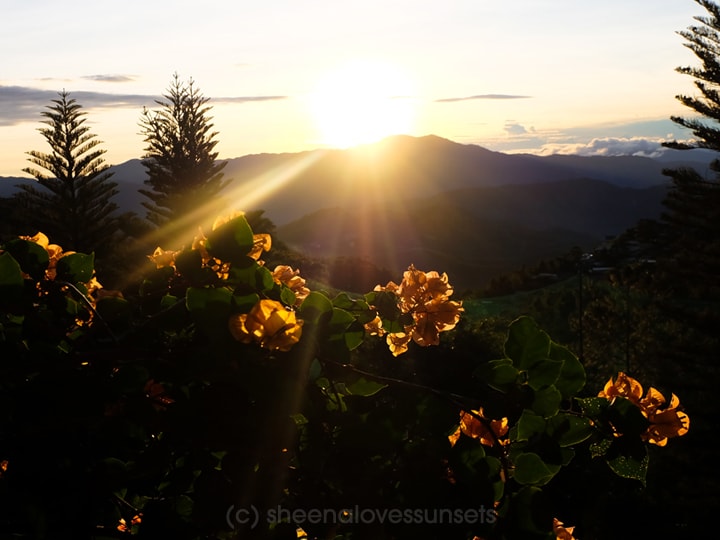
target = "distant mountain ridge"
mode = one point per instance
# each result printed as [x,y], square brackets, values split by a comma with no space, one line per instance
[430,201]
[290,185]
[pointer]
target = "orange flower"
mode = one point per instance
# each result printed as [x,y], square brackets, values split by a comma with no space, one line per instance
[54,252]
[269,323]
[285,275]
[374,327]
[664,423]
[623,386]
[398,342]
[426,296]
[562,532]
[163,258]
[261,242]
[471,426]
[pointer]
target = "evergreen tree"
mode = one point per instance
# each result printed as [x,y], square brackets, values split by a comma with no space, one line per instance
[184,175]
[687,284]
[692,204]
[72,204]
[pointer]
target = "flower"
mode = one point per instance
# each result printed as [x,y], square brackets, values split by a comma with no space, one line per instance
[561,532]
[269,323]
[472,426]
[426,296]
[285,275]
[54,252]
[664,423]
[163,258]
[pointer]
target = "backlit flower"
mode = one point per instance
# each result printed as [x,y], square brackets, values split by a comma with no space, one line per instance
[269,323]
[472,426]
[664,422]
[426,296]
[285,275]
[163,258]
[561,532]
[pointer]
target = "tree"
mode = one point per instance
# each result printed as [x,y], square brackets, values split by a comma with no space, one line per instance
[692,205]
[183,172]
[73,204]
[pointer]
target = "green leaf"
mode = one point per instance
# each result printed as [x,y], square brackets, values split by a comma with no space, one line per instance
[231,241]
[530,512]
[499,374]
[572,374]
[75,268]
[593,407]
[168,300]
[626,417]
[315,306]
[201,300]
[546,401]
[243,304]
[569,429]
[526,344]
[287,296]
[529,424]
[32,257]
[264,278]
[386,304]
[210,307]
[189,264]
[628,458]
[11,279]
[354,335]
[600,448]
[530,469]
[544,373]
[365,387]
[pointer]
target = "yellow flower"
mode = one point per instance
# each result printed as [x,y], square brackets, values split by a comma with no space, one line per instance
[426,296]
[163,258]
[398,342]
[561,532]
[285,275]
[54,252]
[261,242]
[623,386]
[374,327]
[269,323]
[471,426]
[664,423]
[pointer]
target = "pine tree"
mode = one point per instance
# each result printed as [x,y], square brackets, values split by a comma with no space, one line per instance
[184,175]
[693,202]
[72,205]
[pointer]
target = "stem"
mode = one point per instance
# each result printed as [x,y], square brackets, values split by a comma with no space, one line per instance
[455,399]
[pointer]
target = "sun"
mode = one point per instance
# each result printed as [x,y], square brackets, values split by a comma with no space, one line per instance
[362,102]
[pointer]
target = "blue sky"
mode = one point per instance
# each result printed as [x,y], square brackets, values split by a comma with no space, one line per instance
[537,76]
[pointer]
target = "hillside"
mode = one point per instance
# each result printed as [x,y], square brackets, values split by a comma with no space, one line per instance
[475,234]
[433,202]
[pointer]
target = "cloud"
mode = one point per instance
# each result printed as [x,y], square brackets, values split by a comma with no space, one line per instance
[513,128]
[20,104]
[480,96]
[247,99]
[109,78]
[609,146]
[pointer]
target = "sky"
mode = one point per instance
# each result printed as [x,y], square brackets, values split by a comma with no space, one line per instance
[538,76]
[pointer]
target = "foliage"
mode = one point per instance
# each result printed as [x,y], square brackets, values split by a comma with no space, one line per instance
[180,160]
[73,203]
[227,399]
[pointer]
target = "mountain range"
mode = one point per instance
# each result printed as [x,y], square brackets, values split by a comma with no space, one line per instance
[429,201]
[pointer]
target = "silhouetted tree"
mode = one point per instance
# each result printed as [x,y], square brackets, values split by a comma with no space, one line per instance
[72,205]
[183,172]
[693,202]
[688,282]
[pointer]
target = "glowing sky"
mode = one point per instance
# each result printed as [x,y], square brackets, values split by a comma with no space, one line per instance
[526,75]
